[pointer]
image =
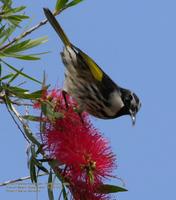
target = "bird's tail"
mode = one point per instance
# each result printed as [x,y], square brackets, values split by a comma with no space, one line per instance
[51,18]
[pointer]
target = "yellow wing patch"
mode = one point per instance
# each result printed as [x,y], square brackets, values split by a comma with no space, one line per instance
[95,70]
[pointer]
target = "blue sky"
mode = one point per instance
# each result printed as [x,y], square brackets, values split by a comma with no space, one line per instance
[135,43]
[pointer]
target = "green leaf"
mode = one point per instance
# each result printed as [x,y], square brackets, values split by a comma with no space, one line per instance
[15,76]
[22,93]
[73,3]
[7,33]
[22,57]
[60,4]
[33,174]
[21,73]
[40,166]
[40,149]
[32,118]
[45,108]
[50,186]
[30,136]
[15,10]
[17,18]
[106,189]
[33,153]
[8,102]
[13,51]
[0,69]
[49,112]
[24,45]
[15,89]
[7,4]
[6,77]
[14,19]
[37,94]
[64,192]
[2,34]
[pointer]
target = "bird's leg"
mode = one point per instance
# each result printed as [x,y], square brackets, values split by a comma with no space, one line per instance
[64,93]
[79,110]
[81,118]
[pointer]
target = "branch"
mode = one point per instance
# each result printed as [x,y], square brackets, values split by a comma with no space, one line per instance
[51,163]
[29,31]
[17,123]
[19,179]
[17,103]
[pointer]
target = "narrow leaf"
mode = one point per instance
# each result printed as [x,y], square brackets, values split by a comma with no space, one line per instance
[23,57]
[0,69]
[60,4]
[18,9]
[73,3]
[40,149]
[30,136]
[64,192]
[17,89]
[15,76]
[106,189]
[33,118]
[2,34]
[7,33]
[15,10]
[17,18]
[33,153]
[40,166]
[37,94]
[50,186]
[6,77]
[49,112]
[21,73]
[33,171]
[24,45]
[24,95]
[8,102]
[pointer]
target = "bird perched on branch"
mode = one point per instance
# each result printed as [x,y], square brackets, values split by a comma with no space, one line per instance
[89,85]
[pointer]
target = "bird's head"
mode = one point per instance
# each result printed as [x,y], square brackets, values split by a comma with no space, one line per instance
[131,103]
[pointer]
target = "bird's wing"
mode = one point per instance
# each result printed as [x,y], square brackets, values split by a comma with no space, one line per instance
[94,68]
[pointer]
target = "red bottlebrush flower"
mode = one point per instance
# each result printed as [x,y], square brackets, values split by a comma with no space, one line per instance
[46,96]
[80,147]
[81,191]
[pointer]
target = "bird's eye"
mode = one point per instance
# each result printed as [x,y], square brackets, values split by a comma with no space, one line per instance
[128,98]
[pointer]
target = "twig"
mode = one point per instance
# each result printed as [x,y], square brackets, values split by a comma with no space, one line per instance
[29,31]
[17,103]
[19,179]
[52,163]
[19,117]
[17,123]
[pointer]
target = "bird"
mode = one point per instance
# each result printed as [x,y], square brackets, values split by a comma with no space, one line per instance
[94,91]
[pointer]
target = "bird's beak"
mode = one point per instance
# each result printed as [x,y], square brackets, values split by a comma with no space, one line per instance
[133,118]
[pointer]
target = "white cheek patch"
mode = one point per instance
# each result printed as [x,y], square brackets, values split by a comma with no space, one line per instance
[116,102]
[133,101]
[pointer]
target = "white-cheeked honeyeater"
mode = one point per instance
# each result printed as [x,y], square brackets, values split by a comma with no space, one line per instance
[89,85]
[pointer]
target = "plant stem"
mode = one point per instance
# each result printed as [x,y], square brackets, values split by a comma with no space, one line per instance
[17,123]
[19,179]
[17,103]
[29,31]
